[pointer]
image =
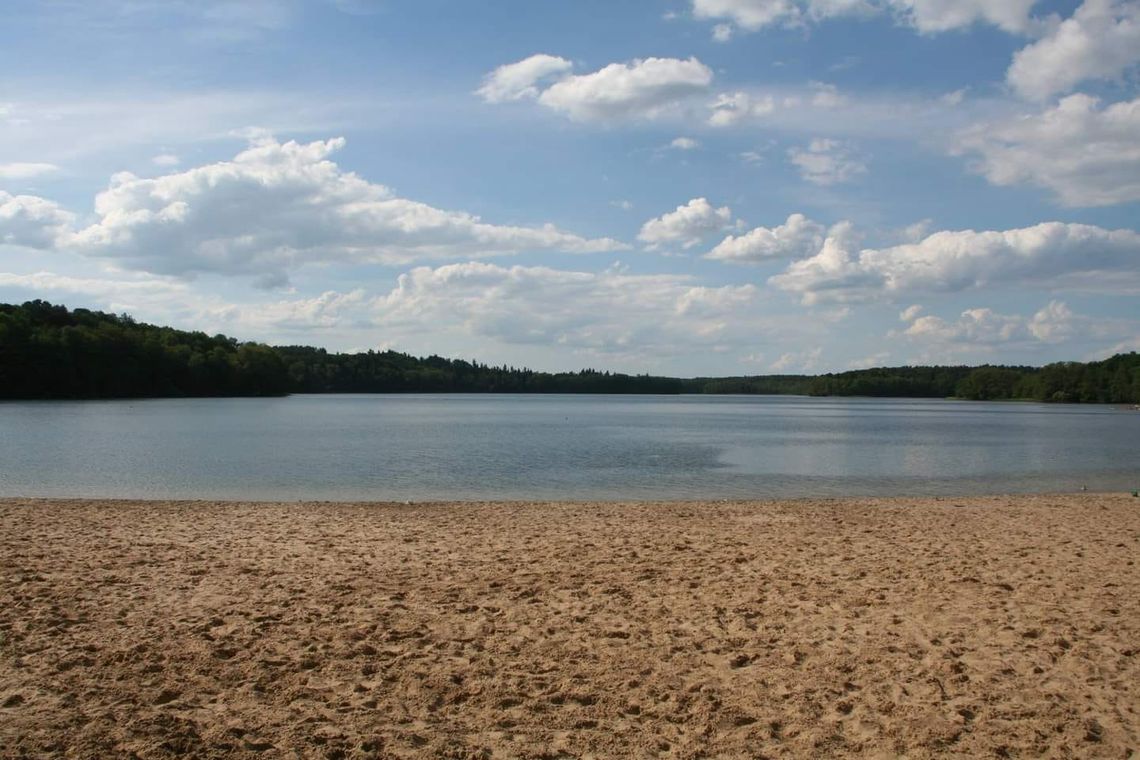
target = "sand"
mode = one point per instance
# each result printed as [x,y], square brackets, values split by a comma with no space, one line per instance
[980,627]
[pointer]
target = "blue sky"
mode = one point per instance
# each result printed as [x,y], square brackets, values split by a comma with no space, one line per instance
[686,187]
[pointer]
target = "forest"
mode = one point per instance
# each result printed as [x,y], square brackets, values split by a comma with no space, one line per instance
[48,351]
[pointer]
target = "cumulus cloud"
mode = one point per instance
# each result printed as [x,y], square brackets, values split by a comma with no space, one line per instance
[796,238]
[984,331]
[798,361]
[1053,324]
[1086,154]
[984,327]
[878,359]
[933,16]
[642,88]
[827,162]
[684,143]
[751,15]
[326,311]
[910,313]
[974,326]
[25,170]
[686,226]
[277,206]
[926,16]
[746,14]
[1099,41]
[1053,253]
[514,81]
[608,315]
[166,160]
[610,312]
[822,109]
[722,32]
[731,108]
[27,220]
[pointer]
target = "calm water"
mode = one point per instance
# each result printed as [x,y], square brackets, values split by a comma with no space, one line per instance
[558,447]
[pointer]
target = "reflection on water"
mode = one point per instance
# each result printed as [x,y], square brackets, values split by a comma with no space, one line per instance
[558,447]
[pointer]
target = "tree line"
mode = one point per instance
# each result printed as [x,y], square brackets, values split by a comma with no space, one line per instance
[48,351]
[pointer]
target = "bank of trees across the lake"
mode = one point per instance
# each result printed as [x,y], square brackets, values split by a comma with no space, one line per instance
[49,351]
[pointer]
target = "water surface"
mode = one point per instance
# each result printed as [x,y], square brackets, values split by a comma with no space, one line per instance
[417,447]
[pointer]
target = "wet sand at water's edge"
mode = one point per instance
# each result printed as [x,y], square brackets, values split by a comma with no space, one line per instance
[980,627]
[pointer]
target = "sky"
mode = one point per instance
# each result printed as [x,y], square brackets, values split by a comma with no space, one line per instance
[682,187]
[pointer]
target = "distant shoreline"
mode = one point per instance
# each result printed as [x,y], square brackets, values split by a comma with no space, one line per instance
[95,501]
[54,352]
[1126,406]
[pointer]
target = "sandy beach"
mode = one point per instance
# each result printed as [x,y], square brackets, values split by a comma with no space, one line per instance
[977,627]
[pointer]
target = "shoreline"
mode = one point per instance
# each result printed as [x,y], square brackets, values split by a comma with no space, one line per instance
[860,499]
[970,625]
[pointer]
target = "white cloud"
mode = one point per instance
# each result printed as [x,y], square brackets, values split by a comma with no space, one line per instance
[610,315]
[514,81]
[822,109]
[722,32]
[955,97]
[24,170]
[1099,41]
[95,286]
[159,299]
[27,220]
[327,311]
[643,88]
[827,162]
[623,204]
[1051,330]
[926,16]
[798,361]
[609,312]
[166,160]
[874,360]
[796,238]
[1054,323]
[1123,347]
[912,233]
[277,206]
[687,225]
[684,143]
[974,326]
[746,14]
[1055,254]
[1087,155]
[731,108]
[910,313]
[933,16]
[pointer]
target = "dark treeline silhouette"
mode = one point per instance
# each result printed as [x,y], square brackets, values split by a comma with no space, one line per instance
[48,351]
[1115,380]
[314,370]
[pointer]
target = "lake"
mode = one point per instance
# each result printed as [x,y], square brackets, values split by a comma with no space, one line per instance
[477,447]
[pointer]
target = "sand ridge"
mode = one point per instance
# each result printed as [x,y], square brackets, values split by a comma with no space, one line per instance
[997,626]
